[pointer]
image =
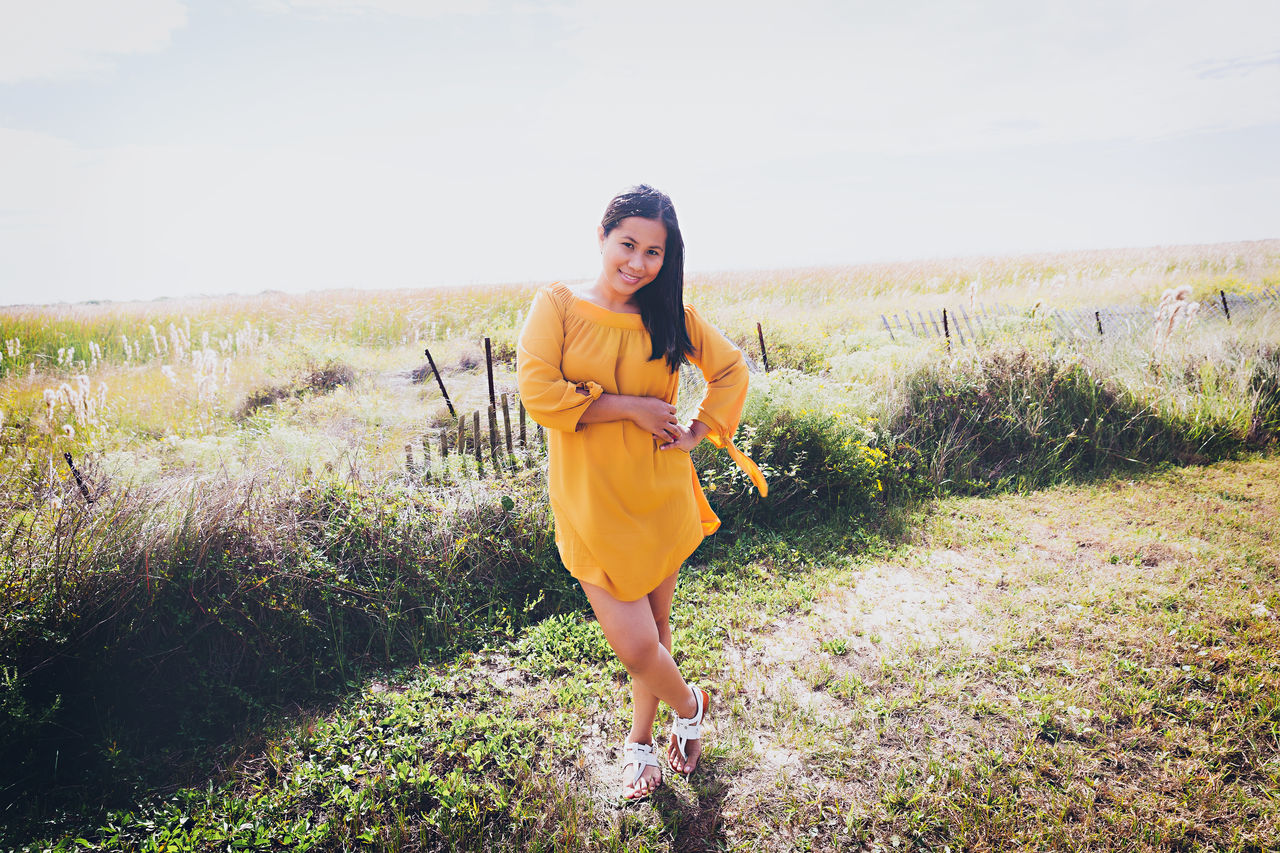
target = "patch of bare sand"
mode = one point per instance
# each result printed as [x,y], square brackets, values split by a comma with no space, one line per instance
[800,733]
[903,605]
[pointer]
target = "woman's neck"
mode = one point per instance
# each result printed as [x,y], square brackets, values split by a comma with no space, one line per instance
[599,294]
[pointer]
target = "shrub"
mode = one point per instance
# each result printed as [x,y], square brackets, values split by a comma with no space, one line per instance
[322,379]
[247,600]
[1265,387]
[1022,419]
[818,456]
[545,648]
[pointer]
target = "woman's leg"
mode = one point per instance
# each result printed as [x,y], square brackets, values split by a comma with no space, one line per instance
[631,630]
[632,633]
[644,701]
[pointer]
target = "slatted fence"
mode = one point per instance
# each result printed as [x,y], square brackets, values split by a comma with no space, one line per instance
[962,326]
[476,445]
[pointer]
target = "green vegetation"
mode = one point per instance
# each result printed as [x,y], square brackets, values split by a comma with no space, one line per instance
[257,545]
[1085,668]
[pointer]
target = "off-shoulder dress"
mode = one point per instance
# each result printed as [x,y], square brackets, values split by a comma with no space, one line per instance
[626,513]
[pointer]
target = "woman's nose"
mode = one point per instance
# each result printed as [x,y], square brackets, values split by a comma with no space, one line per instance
[636,261]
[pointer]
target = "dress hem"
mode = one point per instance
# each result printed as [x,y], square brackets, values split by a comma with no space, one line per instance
[597,574]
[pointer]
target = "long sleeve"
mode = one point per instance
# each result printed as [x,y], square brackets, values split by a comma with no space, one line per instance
[725,370]
[550,399]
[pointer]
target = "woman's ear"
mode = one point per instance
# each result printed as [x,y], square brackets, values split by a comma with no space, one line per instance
[600,236]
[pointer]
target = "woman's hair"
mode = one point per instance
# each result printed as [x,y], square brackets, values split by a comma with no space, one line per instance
[661,300]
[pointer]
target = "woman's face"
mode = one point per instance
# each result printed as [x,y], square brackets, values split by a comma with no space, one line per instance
[632,254]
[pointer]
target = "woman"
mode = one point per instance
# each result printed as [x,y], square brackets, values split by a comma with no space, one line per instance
[599,367]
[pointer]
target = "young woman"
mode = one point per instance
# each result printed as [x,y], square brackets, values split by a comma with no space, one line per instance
[598,366]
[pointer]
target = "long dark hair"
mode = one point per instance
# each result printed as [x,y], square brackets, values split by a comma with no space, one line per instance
[661,300]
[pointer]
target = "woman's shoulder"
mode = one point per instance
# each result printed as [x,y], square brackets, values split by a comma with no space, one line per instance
[557,289]
[557,293]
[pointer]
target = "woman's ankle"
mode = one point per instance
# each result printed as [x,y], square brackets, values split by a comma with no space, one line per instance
[691,704]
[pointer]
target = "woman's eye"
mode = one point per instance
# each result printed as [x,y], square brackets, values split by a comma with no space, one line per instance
[628,245]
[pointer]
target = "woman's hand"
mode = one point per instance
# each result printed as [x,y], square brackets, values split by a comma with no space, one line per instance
[656,416]
[688,438]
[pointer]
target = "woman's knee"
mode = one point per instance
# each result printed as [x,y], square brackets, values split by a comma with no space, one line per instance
[637,653]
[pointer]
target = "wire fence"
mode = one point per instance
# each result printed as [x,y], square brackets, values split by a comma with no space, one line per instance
[965,327]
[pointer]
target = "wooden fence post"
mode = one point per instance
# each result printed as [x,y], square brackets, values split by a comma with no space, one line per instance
[934,321]
[764,355]
[493,439]
[1225,309]
[488,362]
[75,472]
[946,330]
[887,329]
[506,423]
[431,361]
[1097,315]
[523,440]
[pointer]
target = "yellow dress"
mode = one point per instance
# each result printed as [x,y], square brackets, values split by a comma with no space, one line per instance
[626,513]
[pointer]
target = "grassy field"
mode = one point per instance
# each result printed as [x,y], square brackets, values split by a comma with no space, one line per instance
[172,378]
[258,545]
[1086,668]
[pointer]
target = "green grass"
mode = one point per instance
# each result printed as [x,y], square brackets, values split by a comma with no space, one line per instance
[1028,690]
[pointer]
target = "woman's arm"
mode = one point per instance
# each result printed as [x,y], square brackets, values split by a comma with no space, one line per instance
[652,414]
[688,437]
[550,399]
[725,371]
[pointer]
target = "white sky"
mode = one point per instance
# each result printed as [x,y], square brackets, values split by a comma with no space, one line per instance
[159,147]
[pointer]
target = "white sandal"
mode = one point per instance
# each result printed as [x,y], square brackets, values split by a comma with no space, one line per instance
[686,729]
[639,755]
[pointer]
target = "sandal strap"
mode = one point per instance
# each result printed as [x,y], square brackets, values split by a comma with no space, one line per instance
[639,755]
[690,728]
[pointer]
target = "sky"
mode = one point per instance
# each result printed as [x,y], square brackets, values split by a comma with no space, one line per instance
[164,148]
